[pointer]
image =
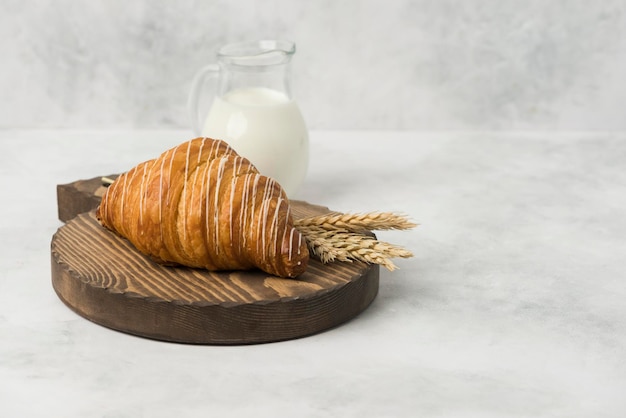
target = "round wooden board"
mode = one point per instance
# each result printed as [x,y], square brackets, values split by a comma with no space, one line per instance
[103,278]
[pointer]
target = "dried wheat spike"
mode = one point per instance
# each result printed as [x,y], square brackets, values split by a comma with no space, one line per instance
[340,244]
[358,222]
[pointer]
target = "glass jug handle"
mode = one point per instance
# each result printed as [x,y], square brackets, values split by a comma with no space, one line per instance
[193,103]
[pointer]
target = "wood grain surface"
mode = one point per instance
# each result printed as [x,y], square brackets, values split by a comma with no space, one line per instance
[103,278]
[79,196]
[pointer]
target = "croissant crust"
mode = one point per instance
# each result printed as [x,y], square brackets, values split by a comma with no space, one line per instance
[202,205]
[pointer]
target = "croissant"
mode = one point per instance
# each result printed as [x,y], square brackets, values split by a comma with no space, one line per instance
[202,205]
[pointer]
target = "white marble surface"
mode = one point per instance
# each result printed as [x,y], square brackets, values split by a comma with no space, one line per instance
[366,64]
[513,305]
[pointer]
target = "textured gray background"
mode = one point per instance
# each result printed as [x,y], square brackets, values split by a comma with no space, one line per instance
[419,65]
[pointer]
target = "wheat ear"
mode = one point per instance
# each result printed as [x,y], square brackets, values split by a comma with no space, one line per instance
[346,237]
[358,222]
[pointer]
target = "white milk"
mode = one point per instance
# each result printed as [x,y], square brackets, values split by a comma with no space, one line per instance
[267,128]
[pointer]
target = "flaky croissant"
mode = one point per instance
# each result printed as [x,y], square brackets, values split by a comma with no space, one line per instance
[202,205]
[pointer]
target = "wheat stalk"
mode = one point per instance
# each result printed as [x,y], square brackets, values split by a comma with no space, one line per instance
[346,237]
[358,222]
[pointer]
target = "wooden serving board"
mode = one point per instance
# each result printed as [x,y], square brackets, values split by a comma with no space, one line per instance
[103,278]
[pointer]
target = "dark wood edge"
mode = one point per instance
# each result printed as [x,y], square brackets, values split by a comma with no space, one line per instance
[285,319]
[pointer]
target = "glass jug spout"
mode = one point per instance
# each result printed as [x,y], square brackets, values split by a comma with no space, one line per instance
[258,53]
[256,64]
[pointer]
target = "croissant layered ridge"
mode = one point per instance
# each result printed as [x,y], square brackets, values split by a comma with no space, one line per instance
[202,205]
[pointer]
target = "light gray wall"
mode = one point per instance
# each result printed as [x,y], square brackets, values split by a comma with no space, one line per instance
[373,64]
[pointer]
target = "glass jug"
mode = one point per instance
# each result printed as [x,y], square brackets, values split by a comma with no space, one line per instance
[253,110]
